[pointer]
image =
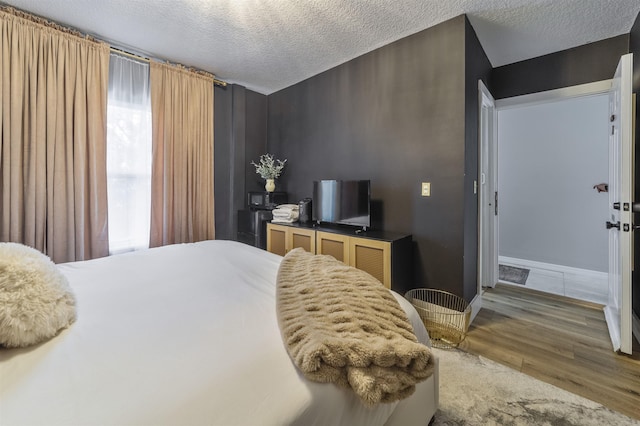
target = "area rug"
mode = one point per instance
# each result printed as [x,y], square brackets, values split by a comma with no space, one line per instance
[512,274]
[478,391]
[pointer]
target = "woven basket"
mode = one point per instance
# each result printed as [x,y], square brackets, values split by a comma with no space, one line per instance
[445,315]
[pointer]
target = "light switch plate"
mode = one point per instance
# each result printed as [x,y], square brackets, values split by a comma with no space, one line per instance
[426,189]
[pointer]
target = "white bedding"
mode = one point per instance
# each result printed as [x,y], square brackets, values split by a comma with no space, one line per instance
[180,335]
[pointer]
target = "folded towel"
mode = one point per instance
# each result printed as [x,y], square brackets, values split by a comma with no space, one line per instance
[287,207]
[278,220]
[341,325]
[285,214]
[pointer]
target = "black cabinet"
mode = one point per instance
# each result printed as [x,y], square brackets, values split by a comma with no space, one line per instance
[252,227]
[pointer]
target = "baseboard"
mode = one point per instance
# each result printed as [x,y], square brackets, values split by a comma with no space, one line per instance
[552,267]
[476,305]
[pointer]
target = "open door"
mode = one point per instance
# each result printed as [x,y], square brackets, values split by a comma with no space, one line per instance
[618,309]
[488,197]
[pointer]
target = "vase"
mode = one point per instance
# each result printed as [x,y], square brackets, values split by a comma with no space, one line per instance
[270,185]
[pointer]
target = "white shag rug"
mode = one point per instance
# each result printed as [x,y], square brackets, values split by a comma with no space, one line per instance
[478,391]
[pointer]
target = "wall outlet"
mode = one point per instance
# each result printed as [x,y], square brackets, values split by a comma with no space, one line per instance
[426,189]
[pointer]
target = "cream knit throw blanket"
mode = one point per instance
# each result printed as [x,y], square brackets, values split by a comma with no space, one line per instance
[341,325]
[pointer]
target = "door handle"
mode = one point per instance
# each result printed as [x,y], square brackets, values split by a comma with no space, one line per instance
[613,225]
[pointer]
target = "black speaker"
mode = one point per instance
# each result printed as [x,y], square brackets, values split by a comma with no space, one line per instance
[304,210]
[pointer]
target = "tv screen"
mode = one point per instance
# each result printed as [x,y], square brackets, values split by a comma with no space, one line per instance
[342,201]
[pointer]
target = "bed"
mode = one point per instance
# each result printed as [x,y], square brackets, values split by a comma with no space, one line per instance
[182,335]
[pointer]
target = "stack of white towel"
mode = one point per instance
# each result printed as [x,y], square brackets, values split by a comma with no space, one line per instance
[285,213]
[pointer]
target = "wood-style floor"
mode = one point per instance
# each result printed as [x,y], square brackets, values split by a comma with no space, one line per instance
[558,340]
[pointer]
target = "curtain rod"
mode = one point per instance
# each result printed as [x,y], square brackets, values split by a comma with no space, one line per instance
[52,24]
[147,60]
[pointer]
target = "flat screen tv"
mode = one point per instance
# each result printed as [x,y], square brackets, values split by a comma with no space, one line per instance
[345,202]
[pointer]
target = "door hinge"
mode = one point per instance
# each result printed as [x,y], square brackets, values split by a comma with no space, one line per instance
[625,227]
[496,202]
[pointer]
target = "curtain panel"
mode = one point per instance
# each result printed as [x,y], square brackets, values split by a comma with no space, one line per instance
[53,91]
[182,203]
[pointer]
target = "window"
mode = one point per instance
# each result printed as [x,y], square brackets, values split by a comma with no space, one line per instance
[128,154]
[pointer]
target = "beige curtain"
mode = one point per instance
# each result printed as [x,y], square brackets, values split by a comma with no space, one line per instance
[182,161]
[53,91]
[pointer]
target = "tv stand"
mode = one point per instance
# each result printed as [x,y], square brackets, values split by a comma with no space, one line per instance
[387,256]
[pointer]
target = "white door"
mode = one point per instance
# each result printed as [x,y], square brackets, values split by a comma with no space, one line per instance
[488,197]
[618,309]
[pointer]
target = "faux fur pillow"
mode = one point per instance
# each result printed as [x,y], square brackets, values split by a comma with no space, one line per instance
[36,301]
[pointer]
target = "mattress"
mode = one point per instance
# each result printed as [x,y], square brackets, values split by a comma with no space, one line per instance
[181,335]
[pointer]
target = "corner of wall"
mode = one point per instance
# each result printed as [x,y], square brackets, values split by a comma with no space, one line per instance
[240,135]
[222,153]
[477,66]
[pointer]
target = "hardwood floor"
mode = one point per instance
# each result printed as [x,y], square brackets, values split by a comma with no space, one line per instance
[558,340]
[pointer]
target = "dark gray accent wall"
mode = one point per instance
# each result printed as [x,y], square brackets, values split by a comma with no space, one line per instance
[256,138]
[222,150]
[396,116]
[477,67]
[579,65]
[240,134]
[237,158]
[634,47]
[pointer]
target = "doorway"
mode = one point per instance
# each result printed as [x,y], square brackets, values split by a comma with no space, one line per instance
[552,183]
[533,153]
[618,310]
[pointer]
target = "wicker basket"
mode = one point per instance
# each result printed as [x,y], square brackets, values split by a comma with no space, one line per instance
[445,315]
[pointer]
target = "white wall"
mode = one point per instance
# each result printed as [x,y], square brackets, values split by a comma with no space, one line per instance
[549,158]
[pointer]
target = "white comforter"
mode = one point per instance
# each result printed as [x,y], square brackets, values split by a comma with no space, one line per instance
[179,335]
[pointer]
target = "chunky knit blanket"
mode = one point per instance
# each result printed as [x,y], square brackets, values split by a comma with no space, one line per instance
[341,325]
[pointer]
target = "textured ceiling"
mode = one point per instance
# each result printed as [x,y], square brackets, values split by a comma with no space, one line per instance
[267,45]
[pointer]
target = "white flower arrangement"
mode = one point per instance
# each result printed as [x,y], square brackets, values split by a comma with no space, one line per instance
[269,168]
